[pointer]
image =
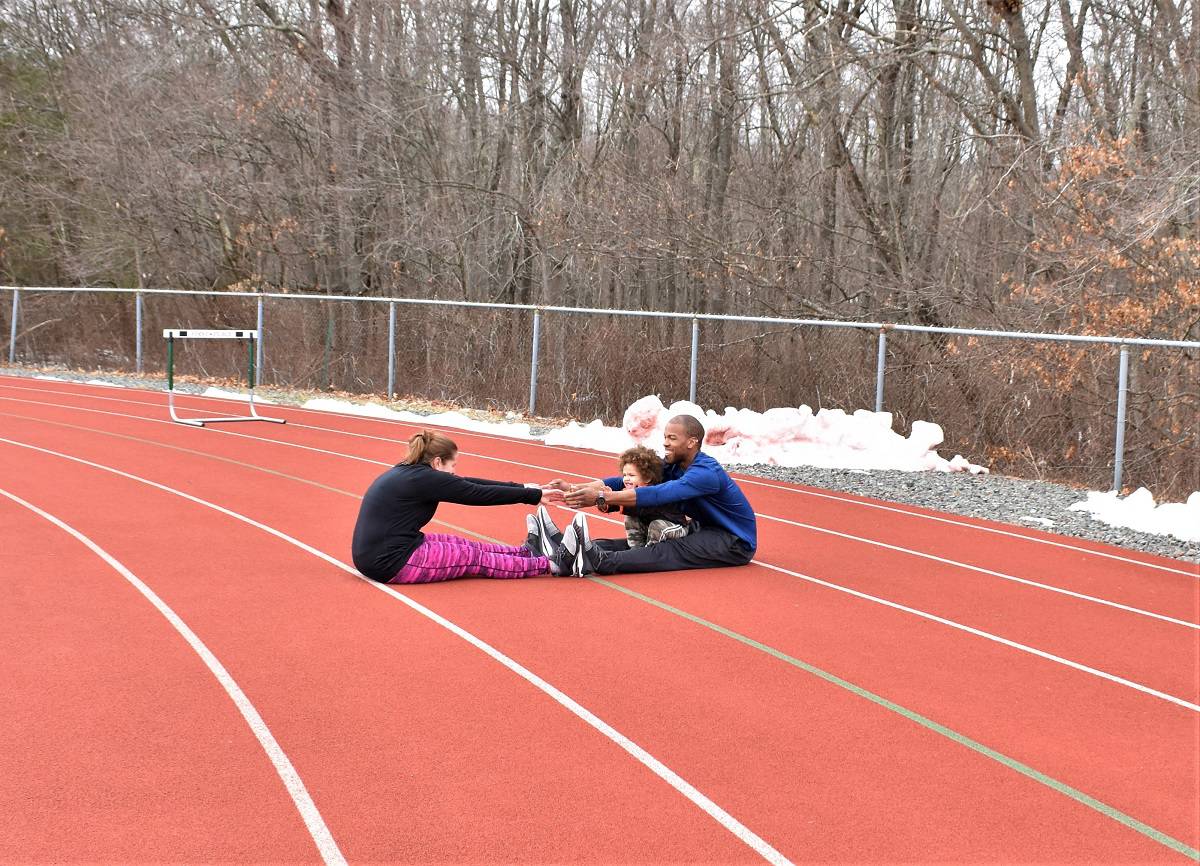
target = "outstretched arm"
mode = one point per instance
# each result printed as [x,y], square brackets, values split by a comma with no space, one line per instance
[488,482]
[466,491]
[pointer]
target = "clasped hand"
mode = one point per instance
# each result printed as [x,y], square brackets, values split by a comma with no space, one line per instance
[574,495]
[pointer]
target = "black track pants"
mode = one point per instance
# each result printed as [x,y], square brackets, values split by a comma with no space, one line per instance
[705,548]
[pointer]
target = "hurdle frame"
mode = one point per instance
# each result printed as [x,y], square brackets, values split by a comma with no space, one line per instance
[251,335]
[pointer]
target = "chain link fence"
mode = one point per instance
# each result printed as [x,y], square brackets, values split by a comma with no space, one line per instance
[1044,406]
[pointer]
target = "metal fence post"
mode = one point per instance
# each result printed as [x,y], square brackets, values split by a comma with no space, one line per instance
[533,363]
[137,310]
[12,337]
[880,364]
[391,391]
[695,353]
[258,349]
[1122,399]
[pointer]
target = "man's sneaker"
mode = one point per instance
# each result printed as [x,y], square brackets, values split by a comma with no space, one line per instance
[552,536]
[562,560]
[589,558]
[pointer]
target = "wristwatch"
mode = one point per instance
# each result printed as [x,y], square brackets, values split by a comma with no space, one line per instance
[601,502]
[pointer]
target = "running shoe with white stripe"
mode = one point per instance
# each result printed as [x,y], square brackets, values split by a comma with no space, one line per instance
[552,536]
[588,560]
[566,554]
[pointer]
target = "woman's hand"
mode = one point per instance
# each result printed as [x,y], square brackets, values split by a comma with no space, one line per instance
[557,484]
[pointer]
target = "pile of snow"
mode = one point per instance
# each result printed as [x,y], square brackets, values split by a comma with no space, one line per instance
[779,437]
[1139,512]
[232,395]
[442,419]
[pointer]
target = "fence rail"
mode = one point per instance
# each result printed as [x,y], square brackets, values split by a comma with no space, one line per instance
[881,329]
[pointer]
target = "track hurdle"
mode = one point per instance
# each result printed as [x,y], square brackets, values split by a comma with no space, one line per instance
[173,334]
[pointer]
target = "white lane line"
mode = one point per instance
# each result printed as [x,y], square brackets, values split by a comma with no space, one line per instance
[599,454]
[283,766]
[865,596]
[652,763]
[591,453]
[992,637]
[987,571]
[961,627]
[951,562]
[995,530]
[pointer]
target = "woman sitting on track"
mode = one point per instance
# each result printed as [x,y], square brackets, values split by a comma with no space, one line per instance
[389,546]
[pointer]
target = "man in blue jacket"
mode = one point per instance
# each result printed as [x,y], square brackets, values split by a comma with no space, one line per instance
[724,531]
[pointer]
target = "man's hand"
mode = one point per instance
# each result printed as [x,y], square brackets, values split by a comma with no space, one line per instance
[557,484]
[581,496]
[552,494]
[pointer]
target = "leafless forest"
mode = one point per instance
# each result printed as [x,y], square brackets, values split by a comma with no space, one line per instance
[993,163]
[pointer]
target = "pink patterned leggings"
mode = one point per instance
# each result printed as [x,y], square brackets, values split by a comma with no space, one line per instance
[445,557]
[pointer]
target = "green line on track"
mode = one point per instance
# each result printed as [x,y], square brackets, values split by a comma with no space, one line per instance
[961,739]
[1013,764]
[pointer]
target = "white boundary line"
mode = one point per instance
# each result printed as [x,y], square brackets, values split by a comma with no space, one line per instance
[599,454]
[660,769]
[992,637]
[966,628]
[988,571]
[283,766]
[951,562]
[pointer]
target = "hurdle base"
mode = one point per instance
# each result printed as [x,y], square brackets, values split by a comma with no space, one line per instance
[200,422]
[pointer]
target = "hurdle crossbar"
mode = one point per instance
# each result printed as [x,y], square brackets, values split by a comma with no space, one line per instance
[251,336]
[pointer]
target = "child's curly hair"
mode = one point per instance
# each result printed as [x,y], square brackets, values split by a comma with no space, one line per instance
[645,461]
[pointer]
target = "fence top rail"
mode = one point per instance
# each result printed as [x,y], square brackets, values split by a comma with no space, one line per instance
[650,314]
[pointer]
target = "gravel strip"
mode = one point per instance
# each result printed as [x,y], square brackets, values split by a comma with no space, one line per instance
[1030,504]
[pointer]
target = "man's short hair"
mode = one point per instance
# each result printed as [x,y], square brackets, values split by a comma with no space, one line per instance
[691,426]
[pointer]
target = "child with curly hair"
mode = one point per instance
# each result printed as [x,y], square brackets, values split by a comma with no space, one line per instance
[641,467]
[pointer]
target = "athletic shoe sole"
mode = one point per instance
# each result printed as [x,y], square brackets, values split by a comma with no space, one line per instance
[551,535]
[584,539]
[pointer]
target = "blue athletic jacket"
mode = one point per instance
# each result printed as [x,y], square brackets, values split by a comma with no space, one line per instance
[705,493]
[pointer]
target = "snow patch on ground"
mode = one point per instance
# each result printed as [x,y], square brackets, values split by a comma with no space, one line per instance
[831,438]
[232,395]
[456,420]
[1138,511]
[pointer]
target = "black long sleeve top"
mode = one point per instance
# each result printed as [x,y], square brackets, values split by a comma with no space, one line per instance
[402,500]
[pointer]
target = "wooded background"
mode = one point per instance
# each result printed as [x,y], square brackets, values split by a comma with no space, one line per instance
[993,163]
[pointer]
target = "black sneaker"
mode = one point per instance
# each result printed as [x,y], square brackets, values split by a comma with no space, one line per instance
[562,560]
[590,557]
[552,536]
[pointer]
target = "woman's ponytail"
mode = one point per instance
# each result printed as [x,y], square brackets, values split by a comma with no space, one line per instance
[427,445]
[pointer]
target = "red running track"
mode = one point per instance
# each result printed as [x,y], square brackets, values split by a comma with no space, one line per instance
[890,693]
